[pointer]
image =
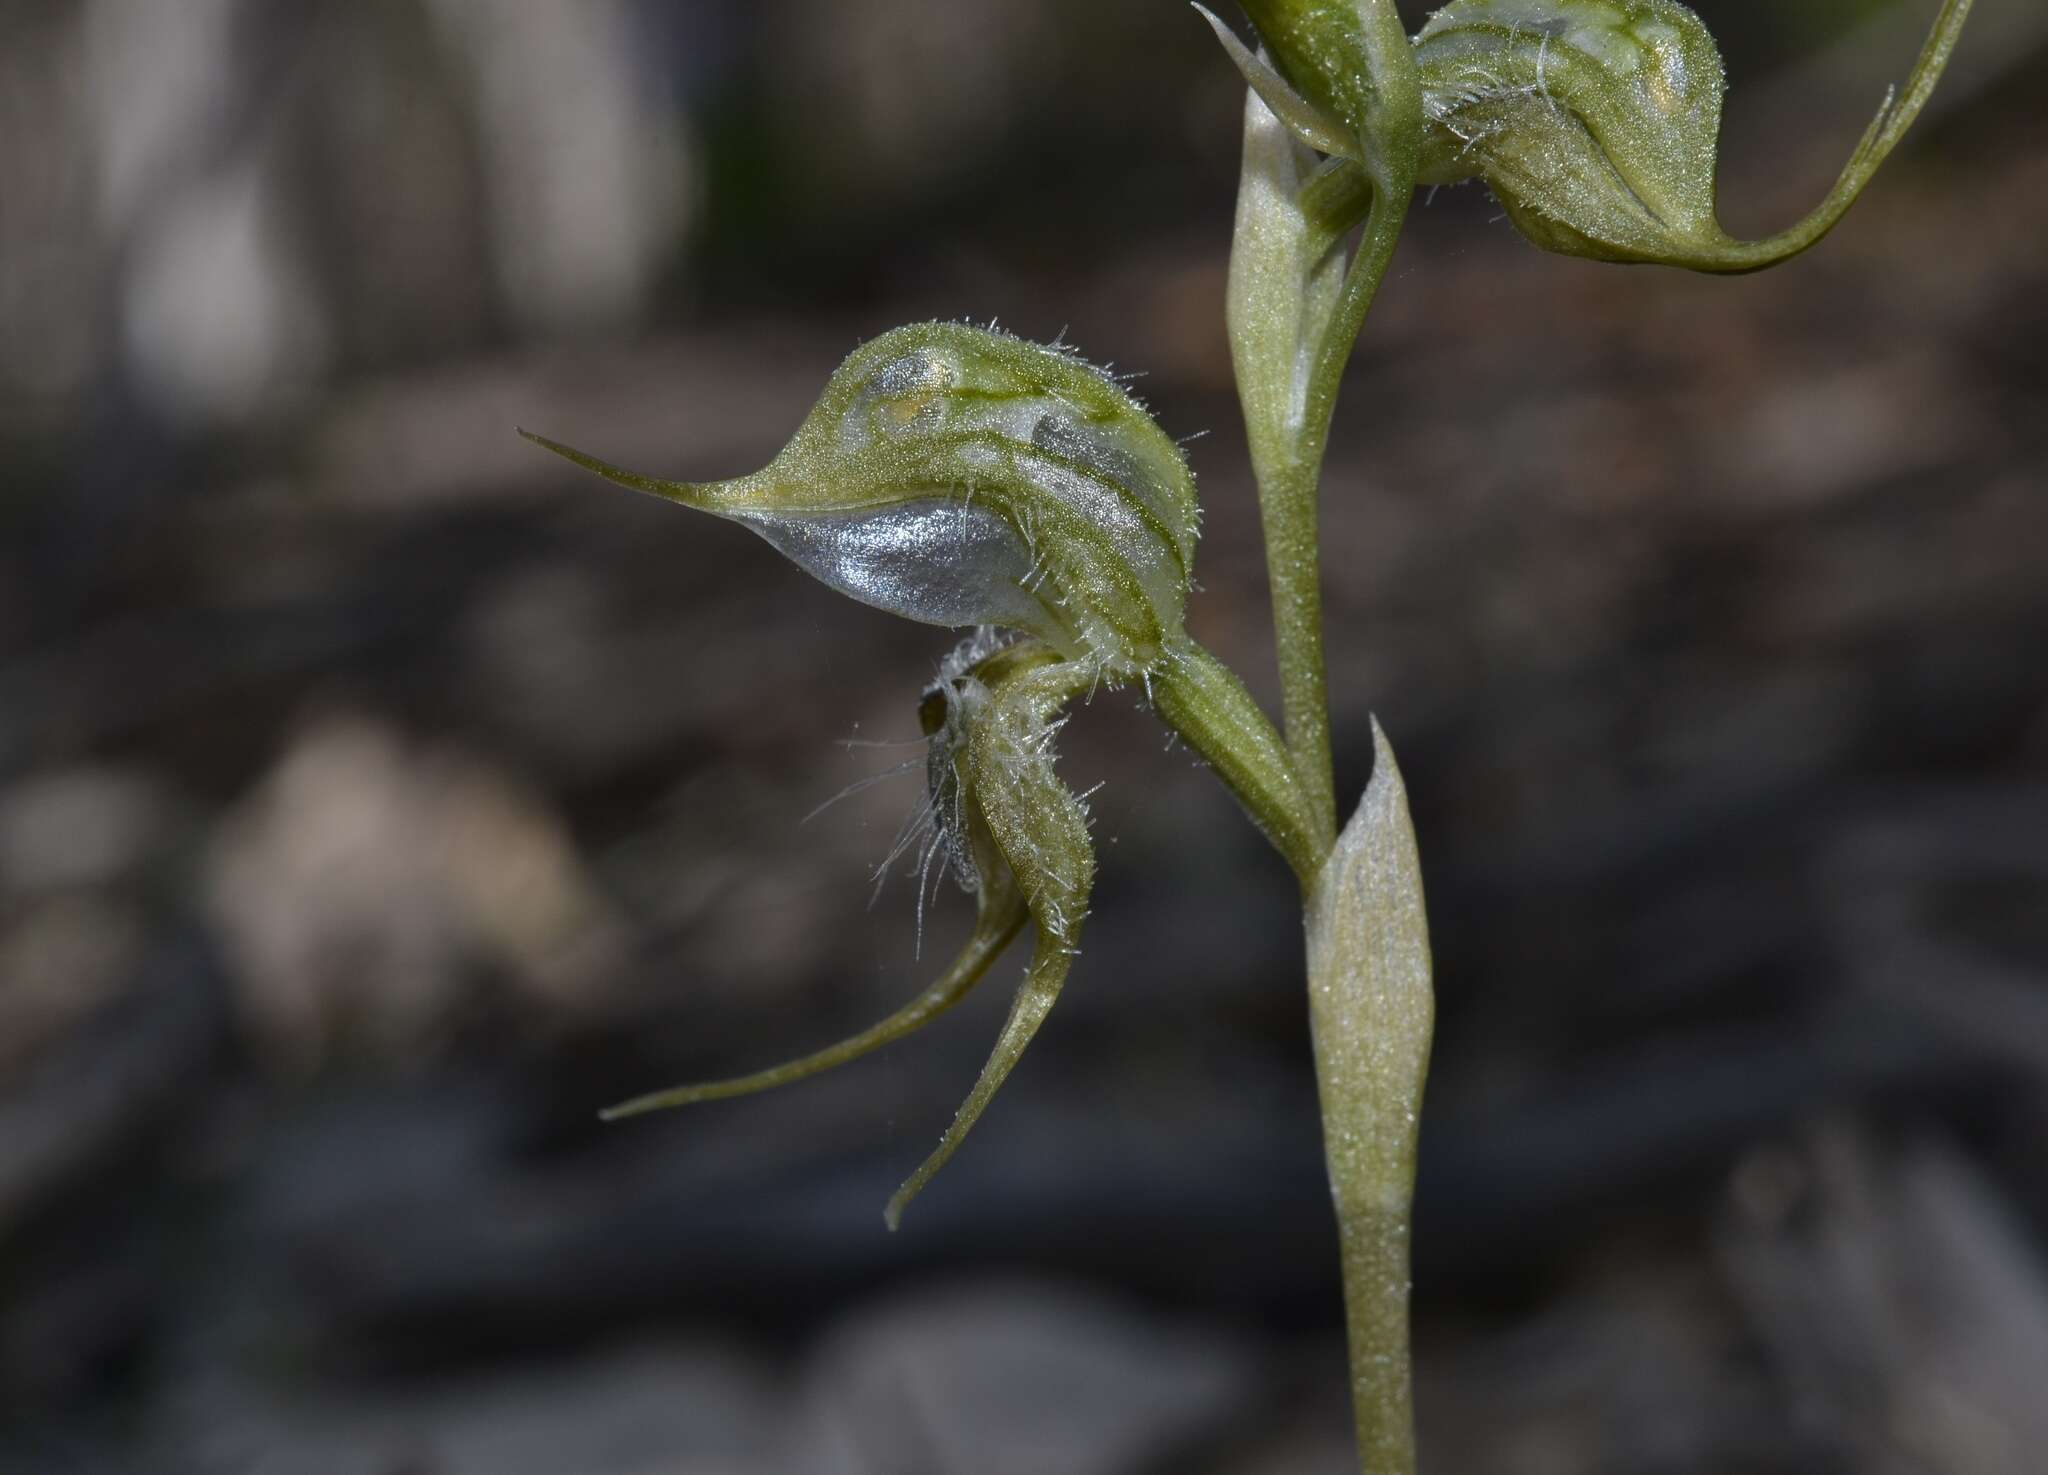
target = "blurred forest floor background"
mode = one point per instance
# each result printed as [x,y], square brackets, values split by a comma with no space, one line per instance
[378,800]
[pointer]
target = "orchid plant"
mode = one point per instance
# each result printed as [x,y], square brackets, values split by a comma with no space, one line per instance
[962,477]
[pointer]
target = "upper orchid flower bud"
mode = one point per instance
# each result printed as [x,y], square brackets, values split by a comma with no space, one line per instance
[961,476]
[1597,123]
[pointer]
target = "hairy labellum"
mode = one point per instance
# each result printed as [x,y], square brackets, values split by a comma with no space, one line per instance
[1034,831]
[1015,835]
[948,712]
[960,476]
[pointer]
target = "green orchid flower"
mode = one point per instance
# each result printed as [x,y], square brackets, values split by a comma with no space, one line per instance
[960,476]
[1596,123]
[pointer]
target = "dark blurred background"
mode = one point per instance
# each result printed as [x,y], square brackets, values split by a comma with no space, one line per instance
[378,798]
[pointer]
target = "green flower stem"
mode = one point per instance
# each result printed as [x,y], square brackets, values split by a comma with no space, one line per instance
[1289,495]
[1368,952]
[1370,1000]
[1372,1009]
[1383,224]
[1202,700]
[1287,506]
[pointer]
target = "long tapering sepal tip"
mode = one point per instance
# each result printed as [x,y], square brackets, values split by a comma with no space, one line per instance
[1000,919]
[639,1106]
[671,491]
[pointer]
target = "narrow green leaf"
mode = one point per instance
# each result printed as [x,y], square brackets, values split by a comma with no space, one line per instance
[1372,1009]
[1286,272]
